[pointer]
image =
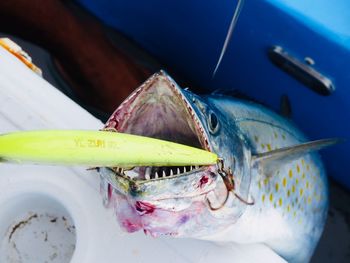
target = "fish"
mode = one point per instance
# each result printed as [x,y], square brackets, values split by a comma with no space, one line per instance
[269,186]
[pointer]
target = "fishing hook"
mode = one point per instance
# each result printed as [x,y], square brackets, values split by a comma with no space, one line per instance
[245,201]
[229,182]
[220,206]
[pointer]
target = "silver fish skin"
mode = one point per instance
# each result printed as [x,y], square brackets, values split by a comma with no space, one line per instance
[281,202]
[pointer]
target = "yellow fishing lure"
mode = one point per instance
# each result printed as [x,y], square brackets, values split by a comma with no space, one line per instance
[98,148]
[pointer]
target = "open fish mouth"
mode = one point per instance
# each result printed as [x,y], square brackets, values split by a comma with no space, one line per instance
[159,109]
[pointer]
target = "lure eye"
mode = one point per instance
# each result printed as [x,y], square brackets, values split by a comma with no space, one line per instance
[213,123]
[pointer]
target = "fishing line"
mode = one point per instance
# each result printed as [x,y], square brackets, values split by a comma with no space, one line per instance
[234,20]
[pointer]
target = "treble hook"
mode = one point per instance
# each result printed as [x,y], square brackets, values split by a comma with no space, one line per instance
[229,182]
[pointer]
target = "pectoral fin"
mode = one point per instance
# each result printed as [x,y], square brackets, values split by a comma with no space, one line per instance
[271,160]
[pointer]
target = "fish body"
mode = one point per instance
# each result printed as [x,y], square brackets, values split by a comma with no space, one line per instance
[266,190]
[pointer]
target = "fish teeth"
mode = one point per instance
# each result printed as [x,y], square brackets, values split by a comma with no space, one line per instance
[160,172]
[148,173]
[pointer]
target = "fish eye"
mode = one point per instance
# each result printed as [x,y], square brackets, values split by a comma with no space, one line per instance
[213,123]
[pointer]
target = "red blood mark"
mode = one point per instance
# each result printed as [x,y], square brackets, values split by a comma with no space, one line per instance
[130,227]
[144,208]
[203,181]
[109,190]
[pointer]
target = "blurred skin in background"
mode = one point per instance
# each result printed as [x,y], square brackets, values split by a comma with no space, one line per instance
[100,75]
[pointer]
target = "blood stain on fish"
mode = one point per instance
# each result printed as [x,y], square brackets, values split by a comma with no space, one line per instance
[144,208]
[203,181]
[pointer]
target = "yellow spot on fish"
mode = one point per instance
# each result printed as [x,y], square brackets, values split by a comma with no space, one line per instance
[284,182]
[259,184]
[266,181]
[288,193]
[303,176]
[263,146]
[276,187]
[307,184]
[271,197]
[307,167]
[296,200]
[263,198]
[295,214]
[269,147]
[288,208]
[256,138]
[290,173]
[296,181]
[280,202]
[301,191]
[309,200]
[298,168]
[293,188]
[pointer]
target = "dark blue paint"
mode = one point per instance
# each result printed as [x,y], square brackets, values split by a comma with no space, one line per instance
[188,36]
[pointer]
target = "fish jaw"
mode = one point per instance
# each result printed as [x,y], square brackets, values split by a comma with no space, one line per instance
[163,200]
[160,101]
[159,109]
[163,208]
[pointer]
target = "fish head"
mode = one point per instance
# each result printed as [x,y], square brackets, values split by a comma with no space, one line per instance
[173,200]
